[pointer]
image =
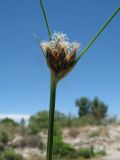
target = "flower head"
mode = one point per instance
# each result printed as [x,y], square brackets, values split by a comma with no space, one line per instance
[60,53]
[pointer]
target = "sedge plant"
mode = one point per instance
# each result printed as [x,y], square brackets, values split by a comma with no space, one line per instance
[60,56]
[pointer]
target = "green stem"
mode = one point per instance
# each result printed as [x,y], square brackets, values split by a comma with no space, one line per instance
[52,97]
[97,35]
[46,20]
[51,117]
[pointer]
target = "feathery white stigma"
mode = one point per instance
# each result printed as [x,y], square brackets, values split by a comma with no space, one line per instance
[76,45]
[44,45]
[59,36]
[60,39]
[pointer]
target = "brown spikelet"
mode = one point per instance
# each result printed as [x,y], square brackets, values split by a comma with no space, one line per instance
[60,55]
[58,61]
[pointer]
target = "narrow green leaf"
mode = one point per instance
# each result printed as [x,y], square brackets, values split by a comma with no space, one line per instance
[97,35]
[46,20]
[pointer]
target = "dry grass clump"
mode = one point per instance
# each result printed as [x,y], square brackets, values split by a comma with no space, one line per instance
[73,132]
[104,131]
[29,141]
[35,157]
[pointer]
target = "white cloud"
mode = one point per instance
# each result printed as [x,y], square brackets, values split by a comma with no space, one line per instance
[16,117]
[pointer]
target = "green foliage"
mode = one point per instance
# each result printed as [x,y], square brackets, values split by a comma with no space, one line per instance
[96,108]
[10,155]
[99,109]
[61,149]
[8,121]
[86,152]
[84,121]
[88,112]
[9,130]
[3,137]
[38,121]
[61,120]
[1,147]
[101,153]
[84,106]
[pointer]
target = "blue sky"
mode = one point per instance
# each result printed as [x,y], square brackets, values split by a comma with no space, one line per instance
[24,76]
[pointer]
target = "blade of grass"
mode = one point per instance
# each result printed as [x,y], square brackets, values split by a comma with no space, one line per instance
[46,20]
[97,35]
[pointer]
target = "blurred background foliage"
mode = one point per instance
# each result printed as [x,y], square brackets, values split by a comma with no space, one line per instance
[90,113]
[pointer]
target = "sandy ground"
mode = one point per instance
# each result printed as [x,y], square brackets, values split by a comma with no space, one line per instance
[113,156]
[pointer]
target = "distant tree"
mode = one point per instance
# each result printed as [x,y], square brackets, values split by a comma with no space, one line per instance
[22,122]
[84,106]
[99,109]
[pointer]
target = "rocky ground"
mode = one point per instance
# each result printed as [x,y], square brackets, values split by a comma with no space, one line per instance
[113,156]
[102,138]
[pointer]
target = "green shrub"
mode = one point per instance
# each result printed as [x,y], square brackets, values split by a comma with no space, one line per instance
[101,153]
[1,147]
[8,121]
[84,121]
[11,155]
[3,137]
[61,149]
[86,152]
[9,127]
[38,121]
